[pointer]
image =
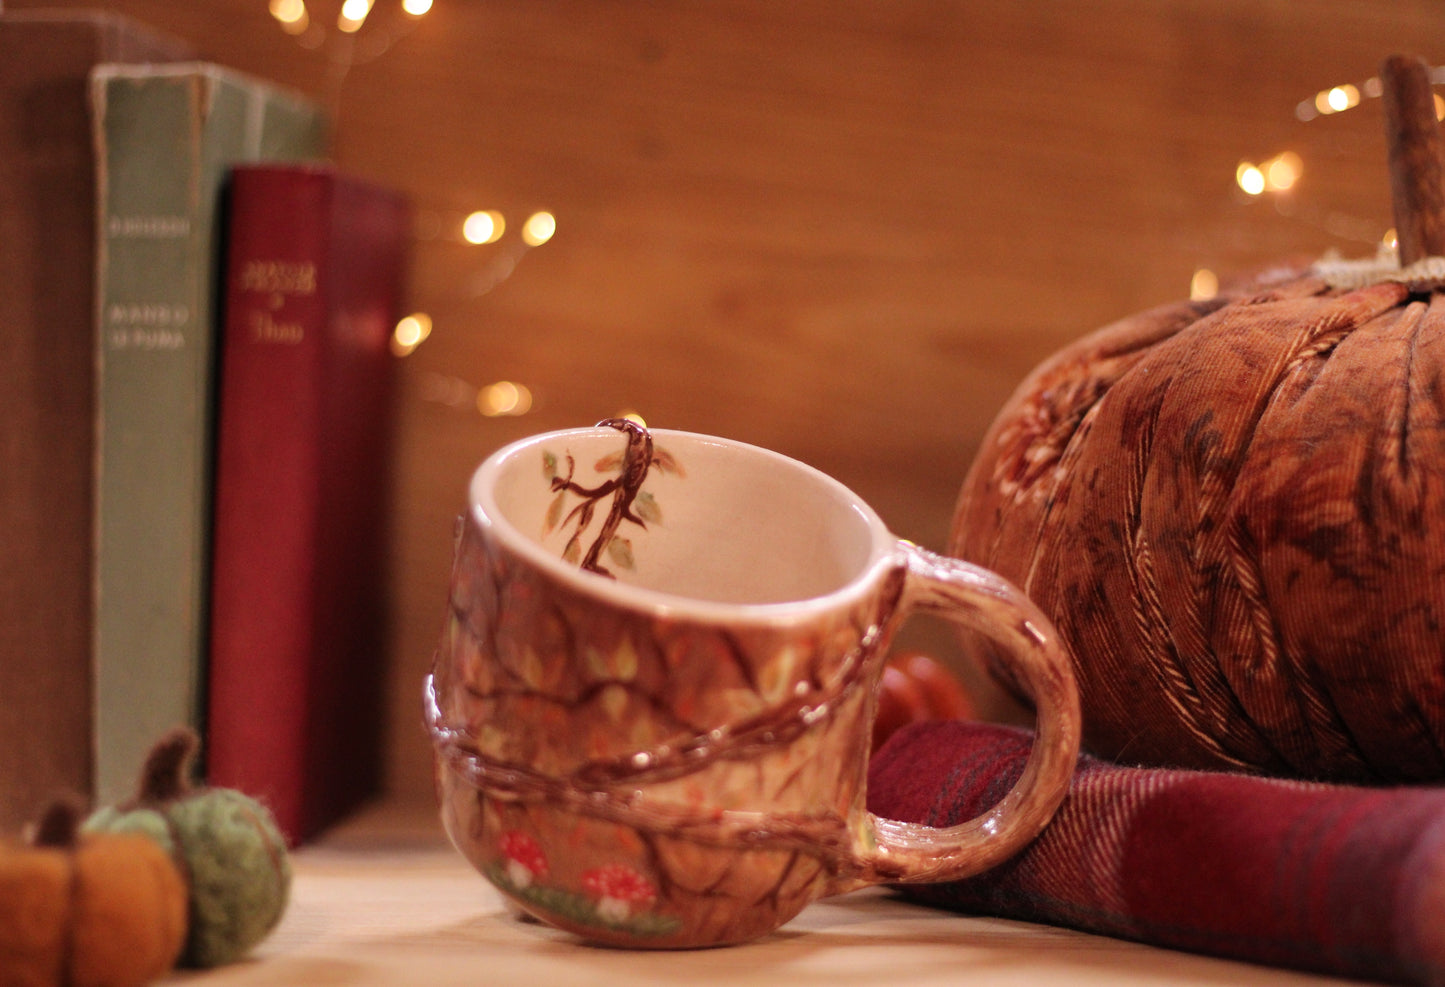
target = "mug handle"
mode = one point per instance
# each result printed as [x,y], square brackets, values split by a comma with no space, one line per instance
[984,602]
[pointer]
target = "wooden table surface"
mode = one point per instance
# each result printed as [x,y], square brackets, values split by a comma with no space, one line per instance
[384,900]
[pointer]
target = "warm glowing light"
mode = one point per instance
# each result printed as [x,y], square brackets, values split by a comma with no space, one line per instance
[291,14]
[632,416]
[483,226]
[1391,239]
[1282,171]
[1250,178]
[1439,107]
[504,398]
[353,14]
[1204,285]
[416,7]
[1278,174]
[410,333]
[1338,99]
[539,228]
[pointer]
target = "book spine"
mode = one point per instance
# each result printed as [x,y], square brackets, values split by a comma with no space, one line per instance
[299,587]
[267,487]
[165,140]
[371,231]
[47,266]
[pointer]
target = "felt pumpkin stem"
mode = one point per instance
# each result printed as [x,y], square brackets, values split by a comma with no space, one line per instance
[1412,134]
[59,825]
[166,776]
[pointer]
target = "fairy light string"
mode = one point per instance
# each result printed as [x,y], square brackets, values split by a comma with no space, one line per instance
[353,33]
[1278,178]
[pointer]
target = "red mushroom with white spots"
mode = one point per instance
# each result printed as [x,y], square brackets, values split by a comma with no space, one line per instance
[524,860]
[620,891]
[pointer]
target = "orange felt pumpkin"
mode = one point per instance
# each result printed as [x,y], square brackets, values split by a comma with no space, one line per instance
[1234,510]
[87,910]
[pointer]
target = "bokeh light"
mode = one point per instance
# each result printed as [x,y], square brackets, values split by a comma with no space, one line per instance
[539,228]
[484,226]
[504,398]
[410,332]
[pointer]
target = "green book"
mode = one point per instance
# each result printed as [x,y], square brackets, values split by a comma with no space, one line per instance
[165,138]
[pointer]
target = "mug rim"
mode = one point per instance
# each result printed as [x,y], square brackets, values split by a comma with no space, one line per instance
[483,510]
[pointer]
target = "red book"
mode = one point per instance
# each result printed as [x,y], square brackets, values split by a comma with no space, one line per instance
[315,268]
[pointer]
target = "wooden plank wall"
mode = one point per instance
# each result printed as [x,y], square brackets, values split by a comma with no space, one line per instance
[839,228]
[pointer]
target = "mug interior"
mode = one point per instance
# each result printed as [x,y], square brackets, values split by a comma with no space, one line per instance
[713,520]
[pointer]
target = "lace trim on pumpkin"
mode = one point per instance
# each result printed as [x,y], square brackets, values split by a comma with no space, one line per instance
[1426,274]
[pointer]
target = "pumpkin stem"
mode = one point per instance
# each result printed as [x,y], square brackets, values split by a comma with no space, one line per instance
[167,772]
[59,825]
[1412,135]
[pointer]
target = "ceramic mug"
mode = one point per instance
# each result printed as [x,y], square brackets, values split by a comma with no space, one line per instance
[652,701]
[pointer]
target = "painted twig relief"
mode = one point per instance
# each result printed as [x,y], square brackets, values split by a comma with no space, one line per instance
[629,501]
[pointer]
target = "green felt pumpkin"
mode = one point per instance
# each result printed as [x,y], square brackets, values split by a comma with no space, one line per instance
[234,856]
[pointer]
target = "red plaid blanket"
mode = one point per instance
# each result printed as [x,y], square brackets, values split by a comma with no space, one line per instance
[1327,878]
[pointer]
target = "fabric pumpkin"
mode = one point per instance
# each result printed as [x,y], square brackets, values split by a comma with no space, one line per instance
[238,872]
[1234,512]
[87,910]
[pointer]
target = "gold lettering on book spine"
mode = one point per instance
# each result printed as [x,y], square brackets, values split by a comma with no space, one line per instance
[279,280]
[278,277]
[264,328]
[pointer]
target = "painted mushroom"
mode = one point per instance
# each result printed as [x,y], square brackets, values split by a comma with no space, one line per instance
[620,891]
[524,860]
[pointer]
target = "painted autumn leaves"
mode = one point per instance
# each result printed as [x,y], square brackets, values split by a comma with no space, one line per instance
[629,501]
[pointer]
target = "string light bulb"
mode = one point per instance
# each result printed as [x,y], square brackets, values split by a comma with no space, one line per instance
[1337,99]
[1249,178]
[483,226]
[416,7]
[353,15]
[539,228]
[504,398]
[410,332]
[1278,174]
[291,14]
[1204,285]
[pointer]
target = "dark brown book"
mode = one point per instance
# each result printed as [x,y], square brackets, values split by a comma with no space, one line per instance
[47,397]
